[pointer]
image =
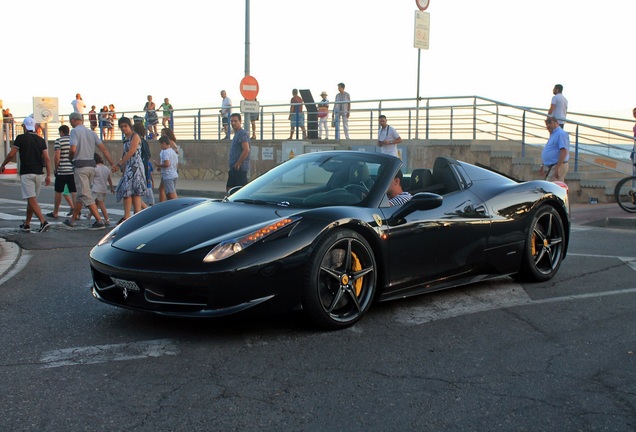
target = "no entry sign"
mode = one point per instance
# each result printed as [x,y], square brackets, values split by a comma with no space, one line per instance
[249,88]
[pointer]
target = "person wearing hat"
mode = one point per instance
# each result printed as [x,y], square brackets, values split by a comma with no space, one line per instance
[323,113]
[34,156]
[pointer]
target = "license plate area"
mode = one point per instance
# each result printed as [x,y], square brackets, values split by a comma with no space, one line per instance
[129,285]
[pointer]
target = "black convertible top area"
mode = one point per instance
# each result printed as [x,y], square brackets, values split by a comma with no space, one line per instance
[441,180]
[449,175]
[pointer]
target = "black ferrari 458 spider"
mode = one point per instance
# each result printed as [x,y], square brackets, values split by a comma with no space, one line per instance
[317,233]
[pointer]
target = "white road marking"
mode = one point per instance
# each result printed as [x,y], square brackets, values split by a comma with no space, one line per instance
[630,261]
[21,207]
[108,353]
[21,263]
[458,302]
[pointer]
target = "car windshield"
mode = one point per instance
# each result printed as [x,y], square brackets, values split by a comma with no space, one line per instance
[316,180]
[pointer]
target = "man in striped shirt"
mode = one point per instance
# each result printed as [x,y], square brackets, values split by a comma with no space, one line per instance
[395,193]
[64,176]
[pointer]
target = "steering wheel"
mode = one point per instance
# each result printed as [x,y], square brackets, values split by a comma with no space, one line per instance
[359,188]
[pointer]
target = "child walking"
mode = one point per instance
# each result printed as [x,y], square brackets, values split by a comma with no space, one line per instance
[168,165]
[102,183]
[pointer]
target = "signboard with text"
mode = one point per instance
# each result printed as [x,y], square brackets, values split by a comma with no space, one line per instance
[250,107]
[45,109]
[422,28]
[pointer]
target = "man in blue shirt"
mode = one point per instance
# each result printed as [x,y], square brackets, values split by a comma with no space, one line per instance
[556,152]
[239,155]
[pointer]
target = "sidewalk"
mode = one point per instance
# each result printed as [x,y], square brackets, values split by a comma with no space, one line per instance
[602,215]
[201,188]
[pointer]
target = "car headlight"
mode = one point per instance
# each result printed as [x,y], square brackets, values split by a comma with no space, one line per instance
[230,247]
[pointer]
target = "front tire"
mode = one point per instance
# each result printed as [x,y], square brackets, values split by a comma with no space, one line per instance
[341,280]
[544,248]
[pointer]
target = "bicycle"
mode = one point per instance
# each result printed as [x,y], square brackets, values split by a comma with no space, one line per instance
[625,194]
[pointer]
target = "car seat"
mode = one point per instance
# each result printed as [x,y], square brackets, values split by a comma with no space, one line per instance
[443,174]
[359,175]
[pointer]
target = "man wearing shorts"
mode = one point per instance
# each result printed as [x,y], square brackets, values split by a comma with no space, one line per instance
[64,177]
[34,156]
[84,142]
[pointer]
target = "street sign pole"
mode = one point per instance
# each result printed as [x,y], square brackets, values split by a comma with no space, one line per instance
[420,41]
[417,102]
[247,37]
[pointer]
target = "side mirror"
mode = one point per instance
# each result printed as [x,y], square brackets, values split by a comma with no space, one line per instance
[420,201]
[232,190]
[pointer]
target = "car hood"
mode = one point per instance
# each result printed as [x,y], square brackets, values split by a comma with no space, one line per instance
[194,227]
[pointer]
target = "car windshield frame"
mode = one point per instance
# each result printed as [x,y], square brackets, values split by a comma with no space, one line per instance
[322,179]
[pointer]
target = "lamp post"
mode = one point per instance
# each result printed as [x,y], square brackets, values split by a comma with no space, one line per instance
[247,37]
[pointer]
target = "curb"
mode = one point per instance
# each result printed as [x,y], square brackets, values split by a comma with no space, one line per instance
[9,254]
[609,222]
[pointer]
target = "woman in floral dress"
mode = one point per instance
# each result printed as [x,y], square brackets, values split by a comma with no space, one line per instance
[132,185]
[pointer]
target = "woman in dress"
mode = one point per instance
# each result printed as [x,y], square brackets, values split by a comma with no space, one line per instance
[132,185]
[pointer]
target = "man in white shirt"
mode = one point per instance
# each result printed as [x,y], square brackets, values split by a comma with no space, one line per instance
[226,112]
[388,138]
[559,105]
[78,104]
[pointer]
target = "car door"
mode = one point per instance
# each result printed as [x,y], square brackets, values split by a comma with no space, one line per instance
[432,247]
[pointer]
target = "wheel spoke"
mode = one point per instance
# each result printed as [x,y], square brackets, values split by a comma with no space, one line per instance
[357,275]
[347,263]
[354,297]
[334,274]
[539,234]
[336,299]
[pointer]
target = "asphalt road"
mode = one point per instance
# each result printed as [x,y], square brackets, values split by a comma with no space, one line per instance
[498,356]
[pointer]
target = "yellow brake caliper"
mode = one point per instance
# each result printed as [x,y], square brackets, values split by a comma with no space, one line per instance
[356,266]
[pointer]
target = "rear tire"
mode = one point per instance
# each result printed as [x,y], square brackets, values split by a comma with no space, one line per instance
[544,247]
[341,280]
[625,194]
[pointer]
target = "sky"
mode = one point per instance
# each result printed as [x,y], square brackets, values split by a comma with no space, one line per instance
[512,51]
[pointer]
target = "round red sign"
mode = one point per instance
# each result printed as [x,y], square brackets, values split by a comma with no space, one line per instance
[422,4]
[249,87]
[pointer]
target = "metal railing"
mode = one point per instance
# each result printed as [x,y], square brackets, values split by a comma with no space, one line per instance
[439,118]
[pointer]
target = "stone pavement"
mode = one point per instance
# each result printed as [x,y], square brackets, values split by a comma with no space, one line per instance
[600,215]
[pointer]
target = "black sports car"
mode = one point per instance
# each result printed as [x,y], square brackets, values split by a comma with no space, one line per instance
[317,233]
